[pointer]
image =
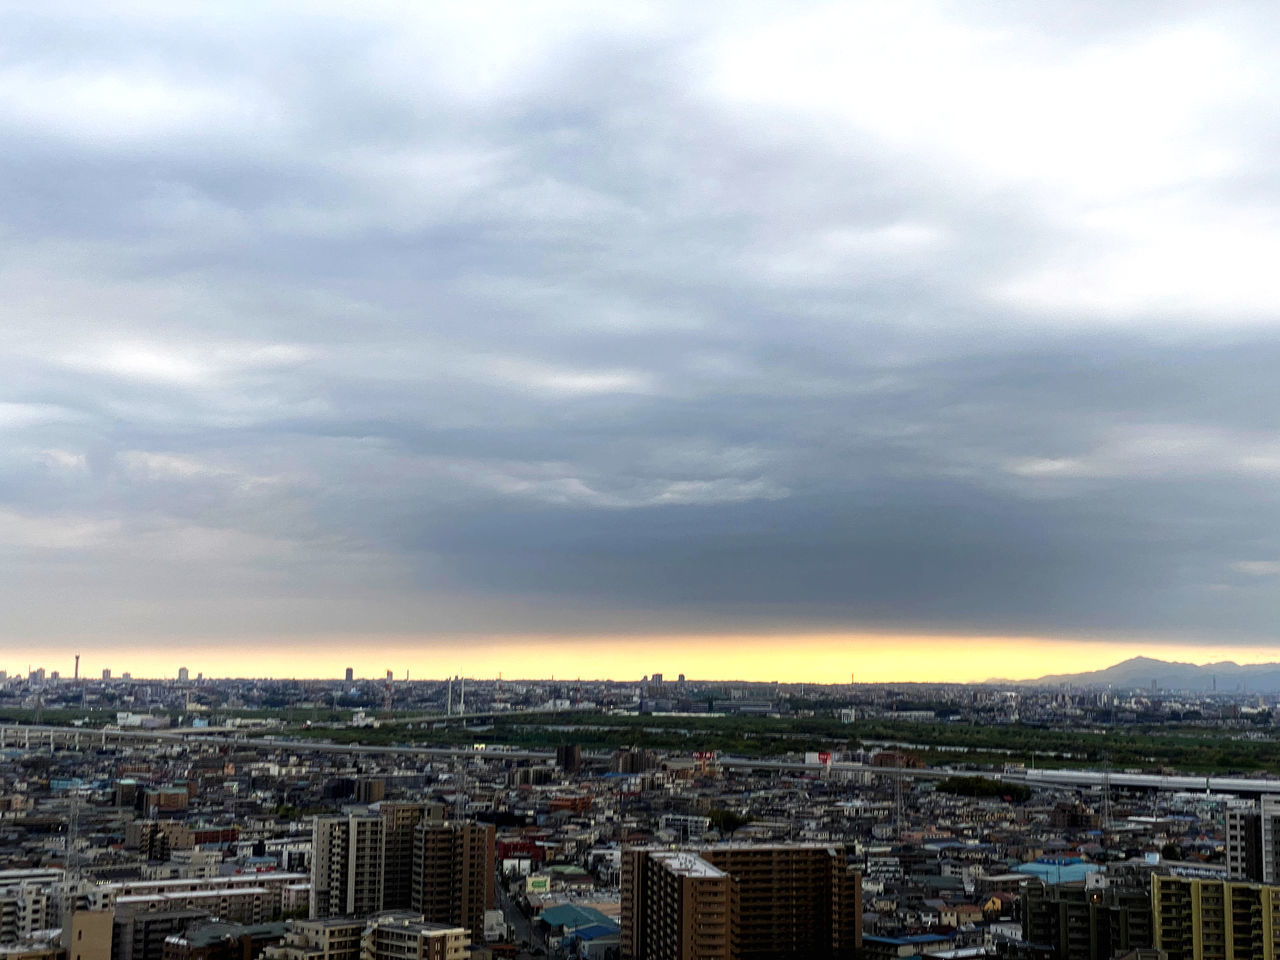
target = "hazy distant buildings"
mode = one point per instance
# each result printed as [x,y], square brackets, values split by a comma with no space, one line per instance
[347,865]
[183,674]
[351,674]
[569,757]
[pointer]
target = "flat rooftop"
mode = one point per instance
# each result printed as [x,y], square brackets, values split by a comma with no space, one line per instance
[687,864]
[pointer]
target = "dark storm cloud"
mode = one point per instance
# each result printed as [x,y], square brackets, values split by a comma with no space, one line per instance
[568,320]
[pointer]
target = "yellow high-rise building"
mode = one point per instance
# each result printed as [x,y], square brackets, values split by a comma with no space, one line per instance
[1215,919]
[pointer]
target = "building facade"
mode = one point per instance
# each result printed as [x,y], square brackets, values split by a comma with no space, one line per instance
[1215,919]
[347,865]
[740,902]
[453,873]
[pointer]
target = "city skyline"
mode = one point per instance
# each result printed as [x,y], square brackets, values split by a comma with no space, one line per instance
[698,659]
[910,340]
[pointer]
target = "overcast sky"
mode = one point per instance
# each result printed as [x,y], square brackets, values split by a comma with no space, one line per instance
[432,320]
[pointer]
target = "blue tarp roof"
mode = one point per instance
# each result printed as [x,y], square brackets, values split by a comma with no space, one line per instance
[595,931]
[1057,873]
[570,916]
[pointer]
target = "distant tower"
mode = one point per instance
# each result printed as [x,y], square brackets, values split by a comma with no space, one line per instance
[106,673]
[183,675]
[351,674]
[76,676]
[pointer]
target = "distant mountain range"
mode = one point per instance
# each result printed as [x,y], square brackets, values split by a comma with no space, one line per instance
[1142,672]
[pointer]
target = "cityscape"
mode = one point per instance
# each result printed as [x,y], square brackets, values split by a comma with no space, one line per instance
[566,480]
[371,818]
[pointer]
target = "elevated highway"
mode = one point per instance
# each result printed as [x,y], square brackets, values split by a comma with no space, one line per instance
[51,737]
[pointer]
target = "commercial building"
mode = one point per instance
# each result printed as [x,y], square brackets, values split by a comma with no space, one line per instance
[740,902]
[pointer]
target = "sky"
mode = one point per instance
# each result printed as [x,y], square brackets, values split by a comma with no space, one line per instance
[896,340]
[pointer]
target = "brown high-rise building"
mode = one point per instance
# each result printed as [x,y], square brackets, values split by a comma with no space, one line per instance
[453,873]
[740,902]
[401,820]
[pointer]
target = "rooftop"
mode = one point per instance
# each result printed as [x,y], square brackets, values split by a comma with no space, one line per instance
[687,864]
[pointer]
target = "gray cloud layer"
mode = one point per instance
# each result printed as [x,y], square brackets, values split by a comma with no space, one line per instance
[562,318]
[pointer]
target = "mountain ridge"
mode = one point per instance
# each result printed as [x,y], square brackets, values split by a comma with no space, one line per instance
[1146,673]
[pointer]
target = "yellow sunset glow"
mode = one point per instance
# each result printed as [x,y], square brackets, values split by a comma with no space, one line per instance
[812,658]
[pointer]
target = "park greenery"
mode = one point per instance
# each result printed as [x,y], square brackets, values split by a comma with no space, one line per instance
[984,787]
[956,743]
[959,745]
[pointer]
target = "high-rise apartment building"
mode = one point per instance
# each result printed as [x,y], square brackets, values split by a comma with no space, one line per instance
[740,902]
[1253,841]
[453,873]
[350,674]
[1079,923]
[402,820]
[347,865]
[1244,843]
[1269,830]
[1210,919]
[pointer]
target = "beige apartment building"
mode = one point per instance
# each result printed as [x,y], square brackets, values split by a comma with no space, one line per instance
[347,865]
